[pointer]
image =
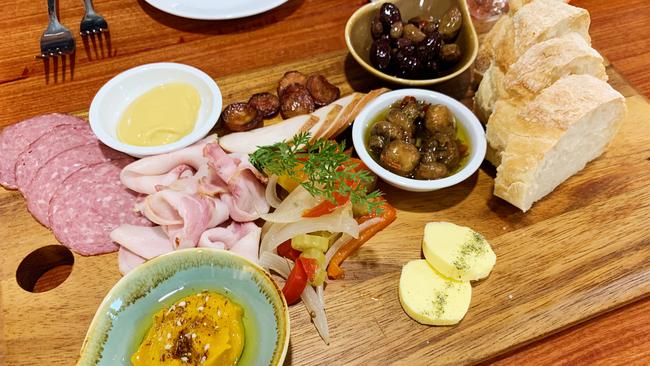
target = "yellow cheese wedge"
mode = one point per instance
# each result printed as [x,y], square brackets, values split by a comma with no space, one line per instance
[457,252]
[430,298]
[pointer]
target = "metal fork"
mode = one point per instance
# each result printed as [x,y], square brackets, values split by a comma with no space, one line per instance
[92,22]
[57,39]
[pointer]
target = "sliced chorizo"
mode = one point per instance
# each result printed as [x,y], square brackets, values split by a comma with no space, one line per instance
[296,101]
[321,90]
[266,104]
[241,117]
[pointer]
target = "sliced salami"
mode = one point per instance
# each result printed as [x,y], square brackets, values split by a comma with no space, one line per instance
[89,204]
[48,178]
[16,138]
[56,141]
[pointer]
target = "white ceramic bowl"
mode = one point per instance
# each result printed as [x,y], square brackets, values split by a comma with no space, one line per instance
[118,93]
[475,134]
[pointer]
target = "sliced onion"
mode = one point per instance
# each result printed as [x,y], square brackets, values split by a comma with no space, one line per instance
[279,265]
[321,293]
[317,312]
[292,207]
[339,221]
[345,238]
[271,192]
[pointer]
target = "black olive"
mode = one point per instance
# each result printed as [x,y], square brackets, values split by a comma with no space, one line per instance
[376,27]
[429,48]
[431,68]
[408,66]
[406,46]
[380,54]
[389,14]
[399,157]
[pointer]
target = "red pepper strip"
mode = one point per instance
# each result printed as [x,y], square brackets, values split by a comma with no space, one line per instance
[334,269]
[295,283]
[326,206]
[311,267]
[286,250]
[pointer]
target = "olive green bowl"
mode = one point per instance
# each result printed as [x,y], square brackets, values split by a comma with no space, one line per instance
[127,311]
[359,40]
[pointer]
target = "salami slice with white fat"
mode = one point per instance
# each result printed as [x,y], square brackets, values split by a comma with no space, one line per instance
[56,141]
[48,178]
[16,138]
[89,204]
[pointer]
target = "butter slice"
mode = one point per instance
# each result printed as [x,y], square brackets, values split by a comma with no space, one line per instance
[430,298]
[457,252]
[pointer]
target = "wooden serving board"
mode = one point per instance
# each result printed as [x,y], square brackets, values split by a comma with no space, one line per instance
[581,251]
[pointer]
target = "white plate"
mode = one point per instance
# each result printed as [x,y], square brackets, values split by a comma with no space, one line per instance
[215,9]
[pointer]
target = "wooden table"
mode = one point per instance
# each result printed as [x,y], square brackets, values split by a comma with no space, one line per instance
[299,29]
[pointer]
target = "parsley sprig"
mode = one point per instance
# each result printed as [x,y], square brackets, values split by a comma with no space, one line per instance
[326,166]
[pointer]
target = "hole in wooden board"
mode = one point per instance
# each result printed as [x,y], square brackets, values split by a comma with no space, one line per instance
[45,268]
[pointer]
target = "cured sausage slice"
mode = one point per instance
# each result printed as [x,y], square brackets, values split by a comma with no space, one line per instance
[48,178]
[295,101]
[16,138]
[89,204]
[322,91]
[56,141]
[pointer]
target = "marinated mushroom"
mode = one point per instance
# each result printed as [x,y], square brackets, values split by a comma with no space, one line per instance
[417,140]
[438,118]
[399,157]
[266,104]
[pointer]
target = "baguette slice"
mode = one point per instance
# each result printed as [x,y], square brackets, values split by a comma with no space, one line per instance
[543,143]
[538,68]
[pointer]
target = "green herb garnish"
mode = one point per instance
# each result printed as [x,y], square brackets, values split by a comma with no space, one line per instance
[326,166]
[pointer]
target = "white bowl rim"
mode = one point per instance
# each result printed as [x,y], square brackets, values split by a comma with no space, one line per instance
[201,130]
[463,115]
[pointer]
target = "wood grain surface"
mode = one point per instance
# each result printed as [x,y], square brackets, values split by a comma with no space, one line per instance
[48,327]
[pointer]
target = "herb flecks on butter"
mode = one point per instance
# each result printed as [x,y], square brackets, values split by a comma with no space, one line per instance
[474,247]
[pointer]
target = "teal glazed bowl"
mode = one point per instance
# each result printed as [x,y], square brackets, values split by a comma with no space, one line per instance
[127,312]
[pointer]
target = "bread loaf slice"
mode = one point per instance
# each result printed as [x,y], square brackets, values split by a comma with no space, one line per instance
[540,66]
[536,22]
[549,139]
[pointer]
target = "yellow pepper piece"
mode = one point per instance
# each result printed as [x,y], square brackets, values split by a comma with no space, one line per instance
[305,242]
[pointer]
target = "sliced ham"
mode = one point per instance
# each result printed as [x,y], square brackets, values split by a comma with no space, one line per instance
[48,178]
[246,198]
[184,216]
[89,204]
[149,174]
[128,260]
[54,142]
[16,138]
[242,239]
[144,241]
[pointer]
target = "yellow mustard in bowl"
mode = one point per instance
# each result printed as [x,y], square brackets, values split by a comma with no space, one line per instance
[201,329]
[160,116]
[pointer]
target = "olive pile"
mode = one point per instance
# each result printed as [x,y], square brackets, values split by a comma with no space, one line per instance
[421,48]
[417,140]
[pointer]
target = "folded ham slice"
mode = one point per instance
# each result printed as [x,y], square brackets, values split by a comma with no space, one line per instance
[150,174]
[246,199]
[242,239]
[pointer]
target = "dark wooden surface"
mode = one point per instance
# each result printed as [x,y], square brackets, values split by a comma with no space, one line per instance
[297,30]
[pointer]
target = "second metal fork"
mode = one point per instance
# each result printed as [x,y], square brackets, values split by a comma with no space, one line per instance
[92,22]
[57,39]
